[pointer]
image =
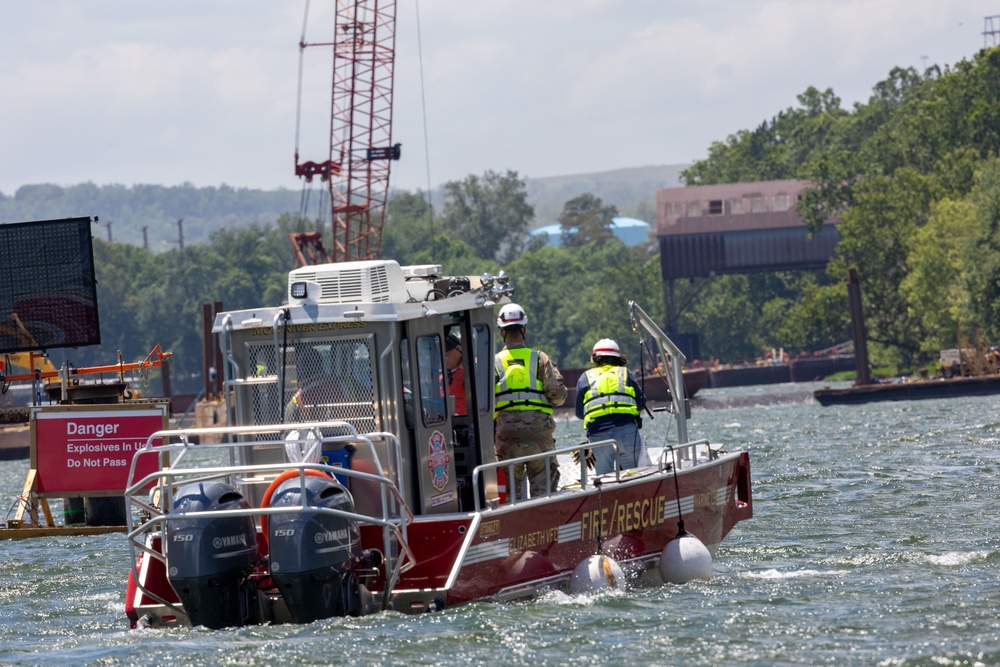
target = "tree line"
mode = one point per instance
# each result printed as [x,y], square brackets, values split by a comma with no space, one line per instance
[914,176]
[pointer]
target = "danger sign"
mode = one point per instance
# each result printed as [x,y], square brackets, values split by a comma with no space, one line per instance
[81,449]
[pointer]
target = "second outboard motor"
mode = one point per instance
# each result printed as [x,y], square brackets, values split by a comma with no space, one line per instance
[316,559]
[209,559]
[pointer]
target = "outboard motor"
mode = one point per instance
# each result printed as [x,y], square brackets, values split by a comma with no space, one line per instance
[209,559]
[316,559]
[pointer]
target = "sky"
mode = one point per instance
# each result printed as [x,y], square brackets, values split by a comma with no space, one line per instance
[205,91]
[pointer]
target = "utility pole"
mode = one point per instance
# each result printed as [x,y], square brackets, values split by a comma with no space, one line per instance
[991,31]
[145,238]
[109,230]
[180,234]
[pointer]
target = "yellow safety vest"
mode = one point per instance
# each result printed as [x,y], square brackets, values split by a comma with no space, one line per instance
[608,394]
[518,385]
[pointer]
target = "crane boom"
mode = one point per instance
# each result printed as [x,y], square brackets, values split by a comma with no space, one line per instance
[361,149]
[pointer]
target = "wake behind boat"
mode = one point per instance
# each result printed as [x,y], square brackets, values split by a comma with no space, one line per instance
[349,483]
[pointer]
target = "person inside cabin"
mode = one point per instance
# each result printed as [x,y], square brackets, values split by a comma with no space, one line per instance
[528,386]
[609,401]
[310,378]
[456,374]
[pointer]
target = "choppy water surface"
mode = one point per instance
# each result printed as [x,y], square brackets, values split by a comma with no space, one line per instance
[874,542]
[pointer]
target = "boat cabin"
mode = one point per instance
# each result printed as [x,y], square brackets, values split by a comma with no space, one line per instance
[367,343]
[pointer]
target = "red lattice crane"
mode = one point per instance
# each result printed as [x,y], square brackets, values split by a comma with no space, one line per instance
[361,149]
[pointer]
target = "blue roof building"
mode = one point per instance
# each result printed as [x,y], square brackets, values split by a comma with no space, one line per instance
[629,230]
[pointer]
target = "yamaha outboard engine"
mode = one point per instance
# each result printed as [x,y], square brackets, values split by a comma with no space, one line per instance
[316,559]
[209,559]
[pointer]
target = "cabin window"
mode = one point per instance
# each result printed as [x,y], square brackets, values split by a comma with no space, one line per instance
[758,204]
[780,202]
[694,209]
[483,365]
[333,379]
[431,376]
[266,405]
[736,207]
[715,207]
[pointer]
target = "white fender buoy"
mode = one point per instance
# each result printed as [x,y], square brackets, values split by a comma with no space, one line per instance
[684,559]
[596,573]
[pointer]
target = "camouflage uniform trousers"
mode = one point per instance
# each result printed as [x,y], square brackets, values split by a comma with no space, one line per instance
[522,433]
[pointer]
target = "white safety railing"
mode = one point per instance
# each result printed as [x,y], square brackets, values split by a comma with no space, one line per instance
[673,458]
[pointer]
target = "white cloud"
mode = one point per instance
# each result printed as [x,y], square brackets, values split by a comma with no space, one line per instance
[204,91]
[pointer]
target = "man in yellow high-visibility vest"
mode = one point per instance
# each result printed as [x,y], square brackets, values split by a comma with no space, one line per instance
[609,400]
[528,386]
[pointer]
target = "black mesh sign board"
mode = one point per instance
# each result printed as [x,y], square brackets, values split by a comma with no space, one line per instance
[48,293]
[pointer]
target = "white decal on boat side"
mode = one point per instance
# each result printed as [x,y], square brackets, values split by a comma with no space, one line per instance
[570,532]
[670,507]
[487,551]
[442,499]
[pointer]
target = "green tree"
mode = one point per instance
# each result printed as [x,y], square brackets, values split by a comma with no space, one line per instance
[982,252]
[489,212]
[585,219]
[935,289]
[544,282]
[819,318]
[410,227]
[877,233]
[601,310]
[576,296]
[723,309]
[252,266]
[122,280]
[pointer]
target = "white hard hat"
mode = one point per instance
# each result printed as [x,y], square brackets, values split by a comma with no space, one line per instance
[512,315]
[606,348]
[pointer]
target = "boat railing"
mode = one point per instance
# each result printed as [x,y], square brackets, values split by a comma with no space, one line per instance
[673,457]
[316,435]
[688,455]
[150,497]
[550,458]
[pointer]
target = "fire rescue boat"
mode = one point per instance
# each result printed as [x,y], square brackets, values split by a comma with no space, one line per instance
[345,482]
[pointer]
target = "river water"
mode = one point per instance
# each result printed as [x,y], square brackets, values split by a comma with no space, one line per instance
[873,543]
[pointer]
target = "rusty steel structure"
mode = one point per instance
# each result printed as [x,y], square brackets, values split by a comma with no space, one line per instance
[356,169]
